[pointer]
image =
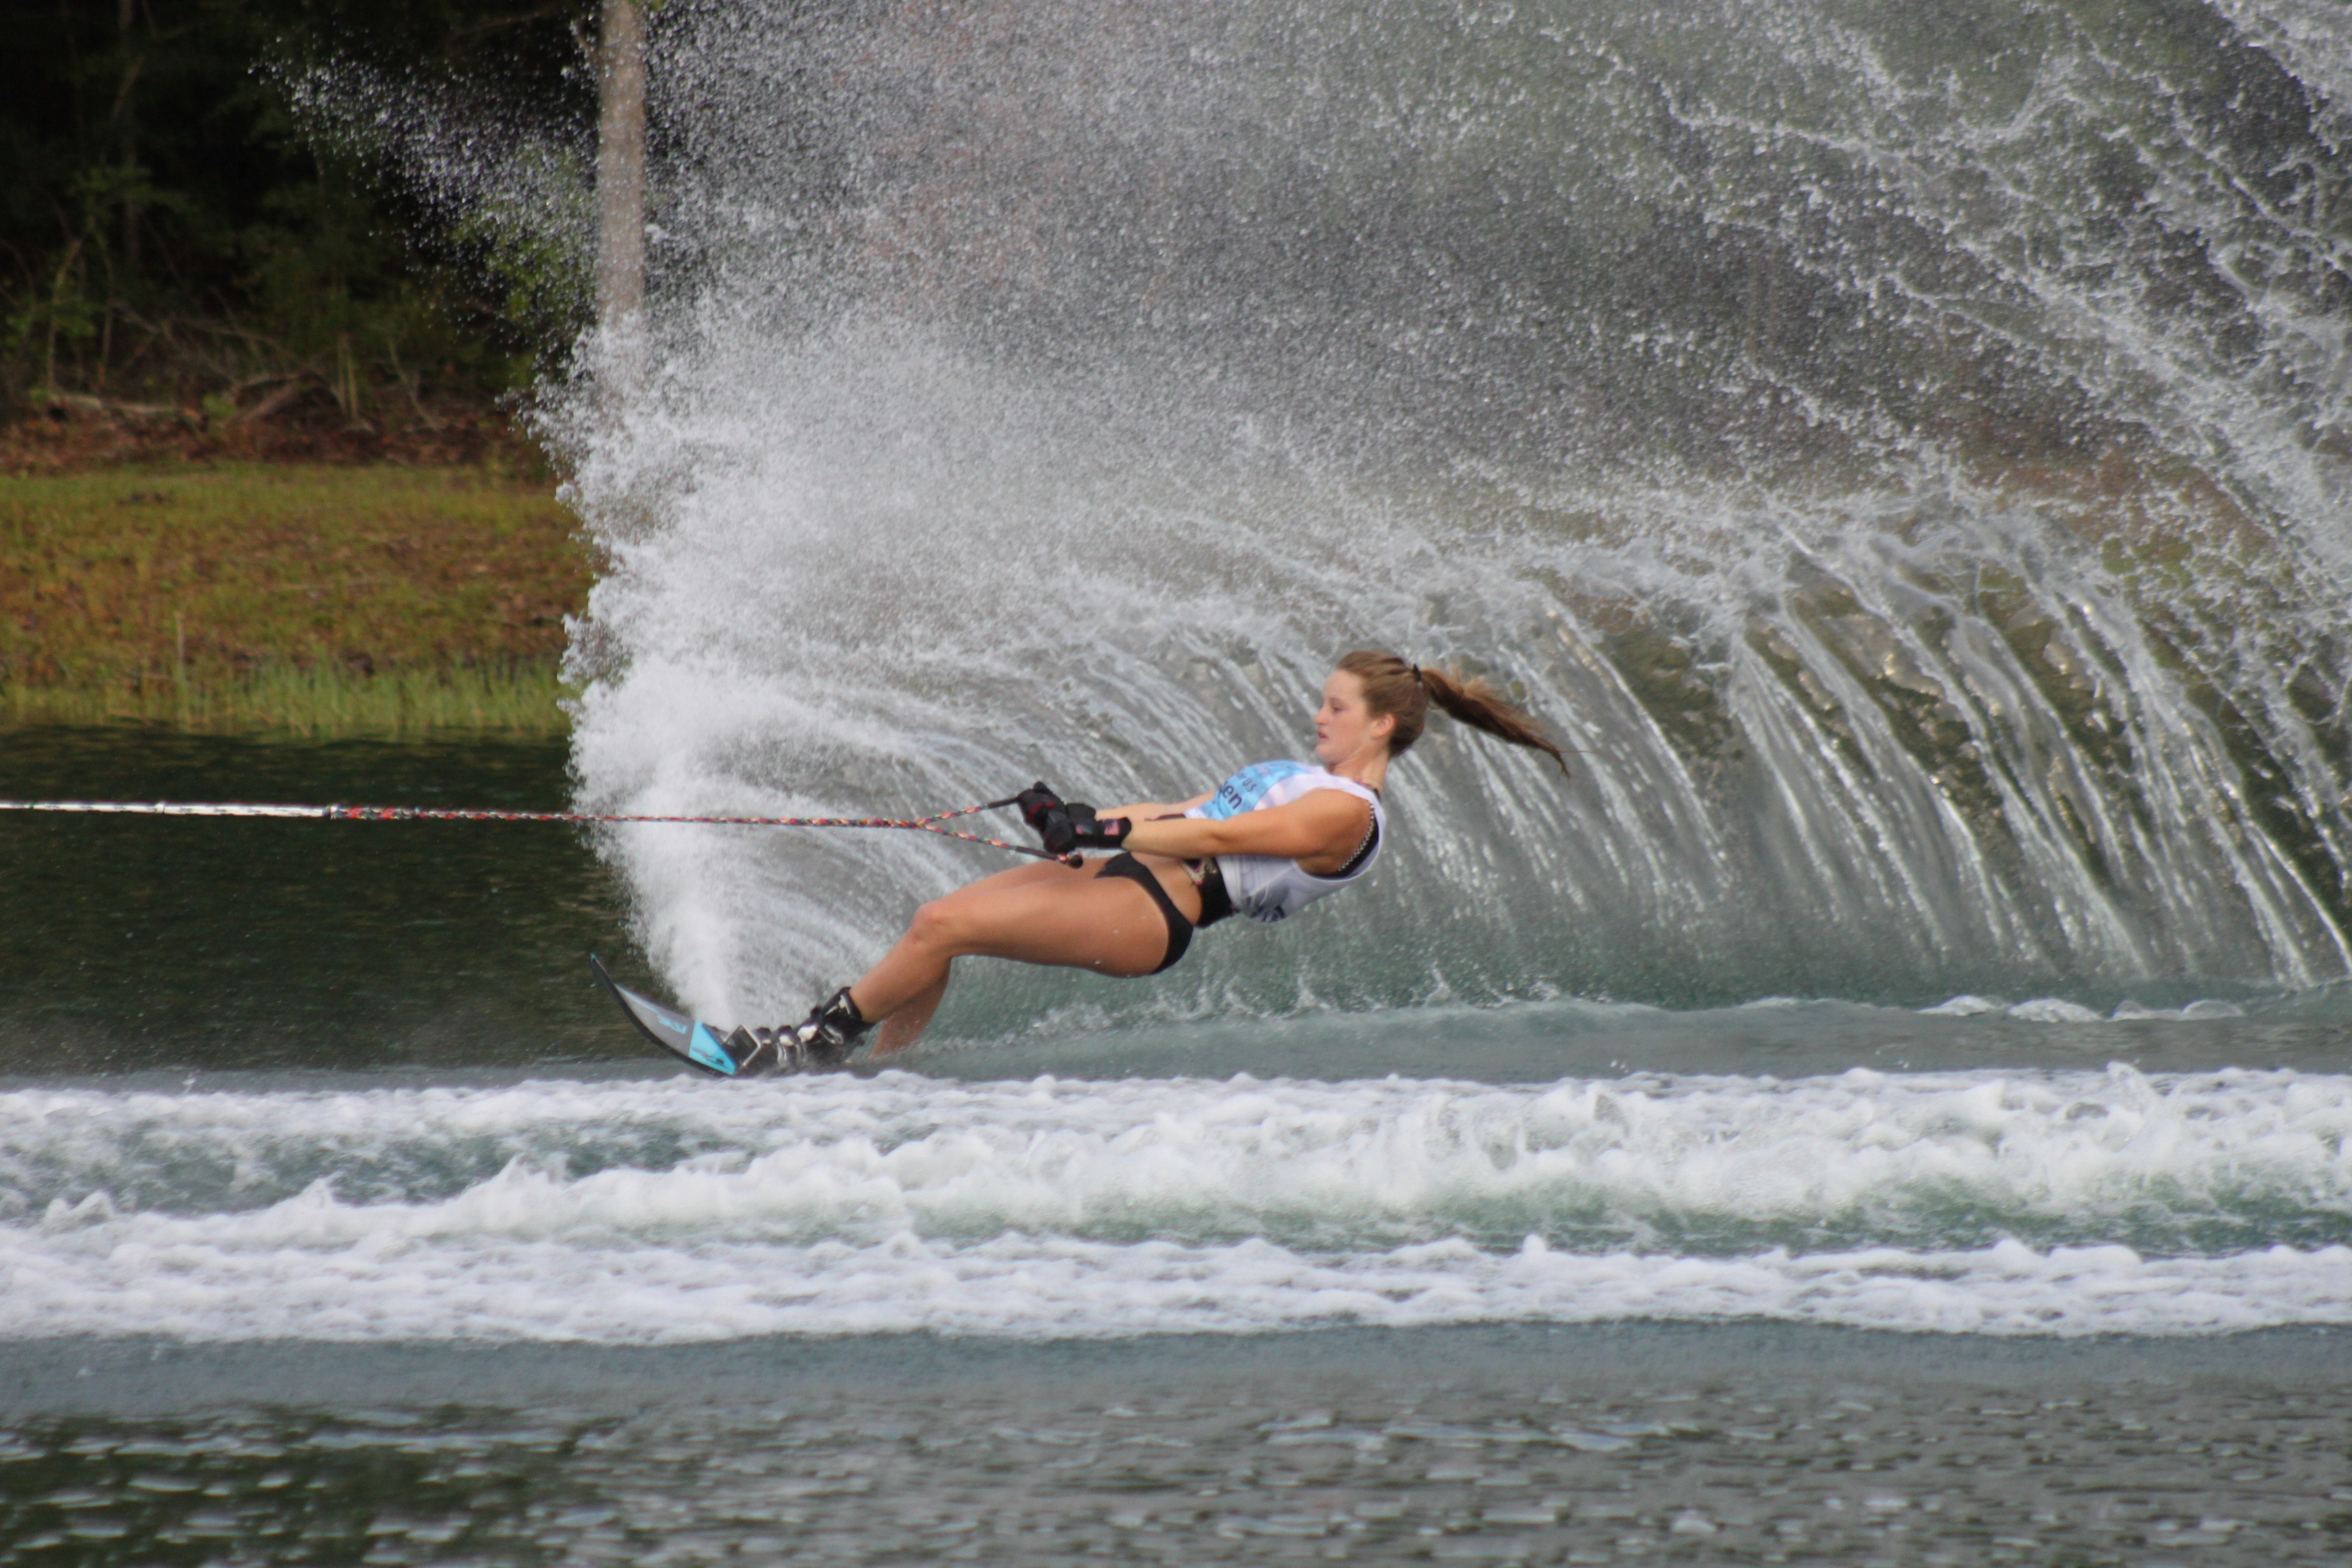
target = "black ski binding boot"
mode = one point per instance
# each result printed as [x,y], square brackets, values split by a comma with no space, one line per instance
[826,1040]
[823,1042]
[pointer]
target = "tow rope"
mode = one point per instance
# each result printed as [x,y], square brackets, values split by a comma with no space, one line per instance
[468,814]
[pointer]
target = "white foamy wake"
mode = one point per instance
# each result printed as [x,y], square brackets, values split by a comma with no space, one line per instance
[644,1212]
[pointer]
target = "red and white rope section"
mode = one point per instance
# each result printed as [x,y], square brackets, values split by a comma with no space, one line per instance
[464,814]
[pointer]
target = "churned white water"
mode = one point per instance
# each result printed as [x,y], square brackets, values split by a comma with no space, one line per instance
[1905,463]
[636,1212]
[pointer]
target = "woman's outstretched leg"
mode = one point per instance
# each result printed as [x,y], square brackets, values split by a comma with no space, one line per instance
[918,961]
[900,1030]
[1051,914]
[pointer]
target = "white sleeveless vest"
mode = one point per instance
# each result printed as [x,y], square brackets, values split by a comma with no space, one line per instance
[1266,886]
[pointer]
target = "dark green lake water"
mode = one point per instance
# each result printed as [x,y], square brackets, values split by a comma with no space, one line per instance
[179,945]
[341,1221]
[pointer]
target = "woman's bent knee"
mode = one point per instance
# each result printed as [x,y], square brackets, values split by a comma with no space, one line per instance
[935,924]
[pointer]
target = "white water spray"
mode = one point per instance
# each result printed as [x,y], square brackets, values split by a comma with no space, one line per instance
[1910,467]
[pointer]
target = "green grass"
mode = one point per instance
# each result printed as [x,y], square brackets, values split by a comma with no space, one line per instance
[315,599]
[320,701]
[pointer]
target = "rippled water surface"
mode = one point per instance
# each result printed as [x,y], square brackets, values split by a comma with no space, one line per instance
[340,1221]
[173,946]
[1728,1445]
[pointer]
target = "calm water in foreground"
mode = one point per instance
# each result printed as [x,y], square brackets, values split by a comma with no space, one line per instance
[340,1222]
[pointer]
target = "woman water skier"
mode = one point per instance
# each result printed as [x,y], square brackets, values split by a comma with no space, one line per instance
[1267,842]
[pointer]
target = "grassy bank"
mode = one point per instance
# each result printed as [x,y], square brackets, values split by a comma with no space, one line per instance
[316,701]
[318,599]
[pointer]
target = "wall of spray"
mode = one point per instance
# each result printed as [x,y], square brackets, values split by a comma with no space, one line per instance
[1903,448]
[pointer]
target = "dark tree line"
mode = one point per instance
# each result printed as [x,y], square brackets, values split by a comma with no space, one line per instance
[172,233]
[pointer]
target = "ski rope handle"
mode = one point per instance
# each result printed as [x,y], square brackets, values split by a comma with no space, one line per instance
[463,814]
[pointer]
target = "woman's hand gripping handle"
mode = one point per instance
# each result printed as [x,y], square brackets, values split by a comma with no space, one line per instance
[1068,828]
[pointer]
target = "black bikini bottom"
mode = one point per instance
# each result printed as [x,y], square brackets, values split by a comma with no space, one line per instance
[1179,930]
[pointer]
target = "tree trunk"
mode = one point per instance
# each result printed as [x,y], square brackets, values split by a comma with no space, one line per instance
[619,169]
[126,19]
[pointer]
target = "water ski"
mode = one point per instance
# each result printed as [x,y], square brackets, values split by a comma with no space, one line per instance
[697,1043]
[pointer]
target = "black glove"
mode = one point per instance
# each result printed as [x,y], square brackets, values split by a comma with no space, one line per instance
[1076,826]
[1035,802]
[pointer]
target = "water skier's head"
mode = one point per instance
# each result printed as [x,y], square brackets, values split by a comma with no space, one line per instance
[1374,698]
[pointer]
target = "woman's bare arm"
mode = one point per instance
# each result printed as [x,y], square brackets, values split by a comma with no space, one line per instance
[1324,824]
[1145,810]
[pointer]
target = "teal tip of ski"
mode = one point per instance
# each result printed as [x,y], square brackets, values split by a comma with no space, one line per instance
[684,1037]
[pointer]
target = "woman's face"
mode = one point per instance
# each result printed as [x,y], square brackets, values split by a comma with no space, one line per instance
[1344,727]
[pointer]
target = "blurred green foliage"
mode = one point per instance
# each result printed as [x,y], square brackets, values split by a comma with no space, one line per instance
[171,232]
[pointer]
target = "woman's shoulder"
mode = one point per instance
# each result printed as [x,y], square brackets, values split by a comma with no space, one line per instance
[1271,772]
[1283,782]
[1271,783]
